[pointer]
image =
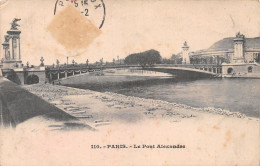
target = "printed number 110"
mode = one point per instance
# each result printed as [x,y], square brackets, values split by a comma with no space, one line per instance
[95,146]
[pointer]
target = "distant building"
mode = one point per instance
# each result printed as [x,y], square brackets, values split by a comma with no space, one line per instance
[244,61]
[239,56]
[247,50]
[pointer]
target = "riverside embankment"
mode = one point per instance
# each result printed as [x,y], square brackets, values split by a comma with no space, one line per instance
[18,105]
[96,107]
[210,135]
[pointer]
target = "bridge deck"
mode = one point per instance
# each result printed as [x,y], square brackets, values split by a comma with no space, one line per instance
[187,69]
[206,70]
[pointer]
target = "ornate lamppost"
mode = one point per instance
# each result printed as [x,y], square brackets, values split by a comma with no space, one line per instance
[87,62]
[58,63]
[42,60]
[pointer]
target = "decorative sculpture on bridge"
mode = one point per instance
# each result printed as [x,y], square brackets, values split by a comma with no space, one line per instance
[14,24]
[7,37]
[238,35]
[6,47]
[11,47]
[185,43]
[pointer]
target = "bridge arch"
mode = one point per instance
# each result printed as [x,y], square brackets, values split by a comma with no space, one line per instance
[230,70]
[250,69]
[12,76]
[32,79]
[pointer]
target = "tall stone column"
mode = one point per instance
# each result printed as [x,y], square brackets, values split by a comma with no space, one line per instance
[11,48]
[15,50]
[19,49]
[5,51]
[185,54]
[239,48]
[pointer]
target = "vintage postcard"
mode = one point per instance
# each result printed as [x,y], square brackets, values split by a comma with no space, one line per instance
[129,83]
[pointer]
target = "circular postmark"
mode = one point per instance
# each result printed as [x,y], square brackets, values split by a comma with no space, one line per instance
[94,10]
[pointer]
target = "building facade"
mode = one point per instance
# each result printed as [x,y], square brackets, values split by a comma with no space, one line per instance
[239,56]
[247,51]
[244,61]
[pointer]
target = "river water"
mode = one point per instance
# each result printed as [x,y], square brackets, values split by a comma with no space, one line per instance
[236,95]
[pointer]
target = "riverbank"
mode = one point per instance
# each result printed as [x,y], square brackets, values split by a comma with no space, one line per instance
[211,136]
[17,105]
[96,107]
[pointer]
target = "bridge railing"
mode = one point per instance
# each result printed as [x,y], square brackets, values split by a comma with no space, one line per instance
[90,67]
[214,68]
[64,72]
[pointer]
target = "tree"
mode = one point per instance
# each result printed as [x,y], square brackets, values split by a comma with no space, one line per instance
[147,58]
[166,61]
[176,59]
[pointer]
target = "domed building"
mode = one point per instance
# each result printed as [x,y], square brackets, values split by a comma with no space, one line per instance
[239,56]
[223,51]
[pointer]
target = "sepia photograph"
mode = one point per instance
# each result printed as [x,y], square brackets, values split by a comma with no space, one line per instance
[129,83]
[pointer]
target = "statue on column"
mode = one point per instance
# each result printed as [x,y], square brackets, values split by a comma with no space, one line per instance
[239,35]
[6,47]
[7,37]
[7,55]
[14,24]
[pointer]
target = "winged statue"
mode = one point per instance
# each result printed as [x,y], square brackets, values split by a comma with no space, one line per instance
[14,23]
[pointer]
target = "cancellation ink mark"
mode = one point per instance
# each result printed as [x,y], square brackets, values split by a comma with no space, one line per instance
[85,4]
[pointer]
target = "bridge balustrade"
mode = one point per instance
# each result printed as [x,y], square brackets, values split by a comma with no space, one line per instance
[64,72]
[214,68]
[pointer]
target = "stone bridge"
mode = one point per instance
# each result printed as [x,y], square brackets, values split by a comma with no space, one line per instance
[193,71]
[42,74]
[23,76]
[179,70]
[54,74]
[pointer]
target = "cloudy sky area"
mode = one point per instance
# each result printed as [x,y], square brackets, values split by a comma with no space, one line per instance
[133,26]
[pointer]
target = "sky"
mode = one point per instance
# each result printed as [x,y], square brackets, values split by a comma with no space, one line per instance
[131,26]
